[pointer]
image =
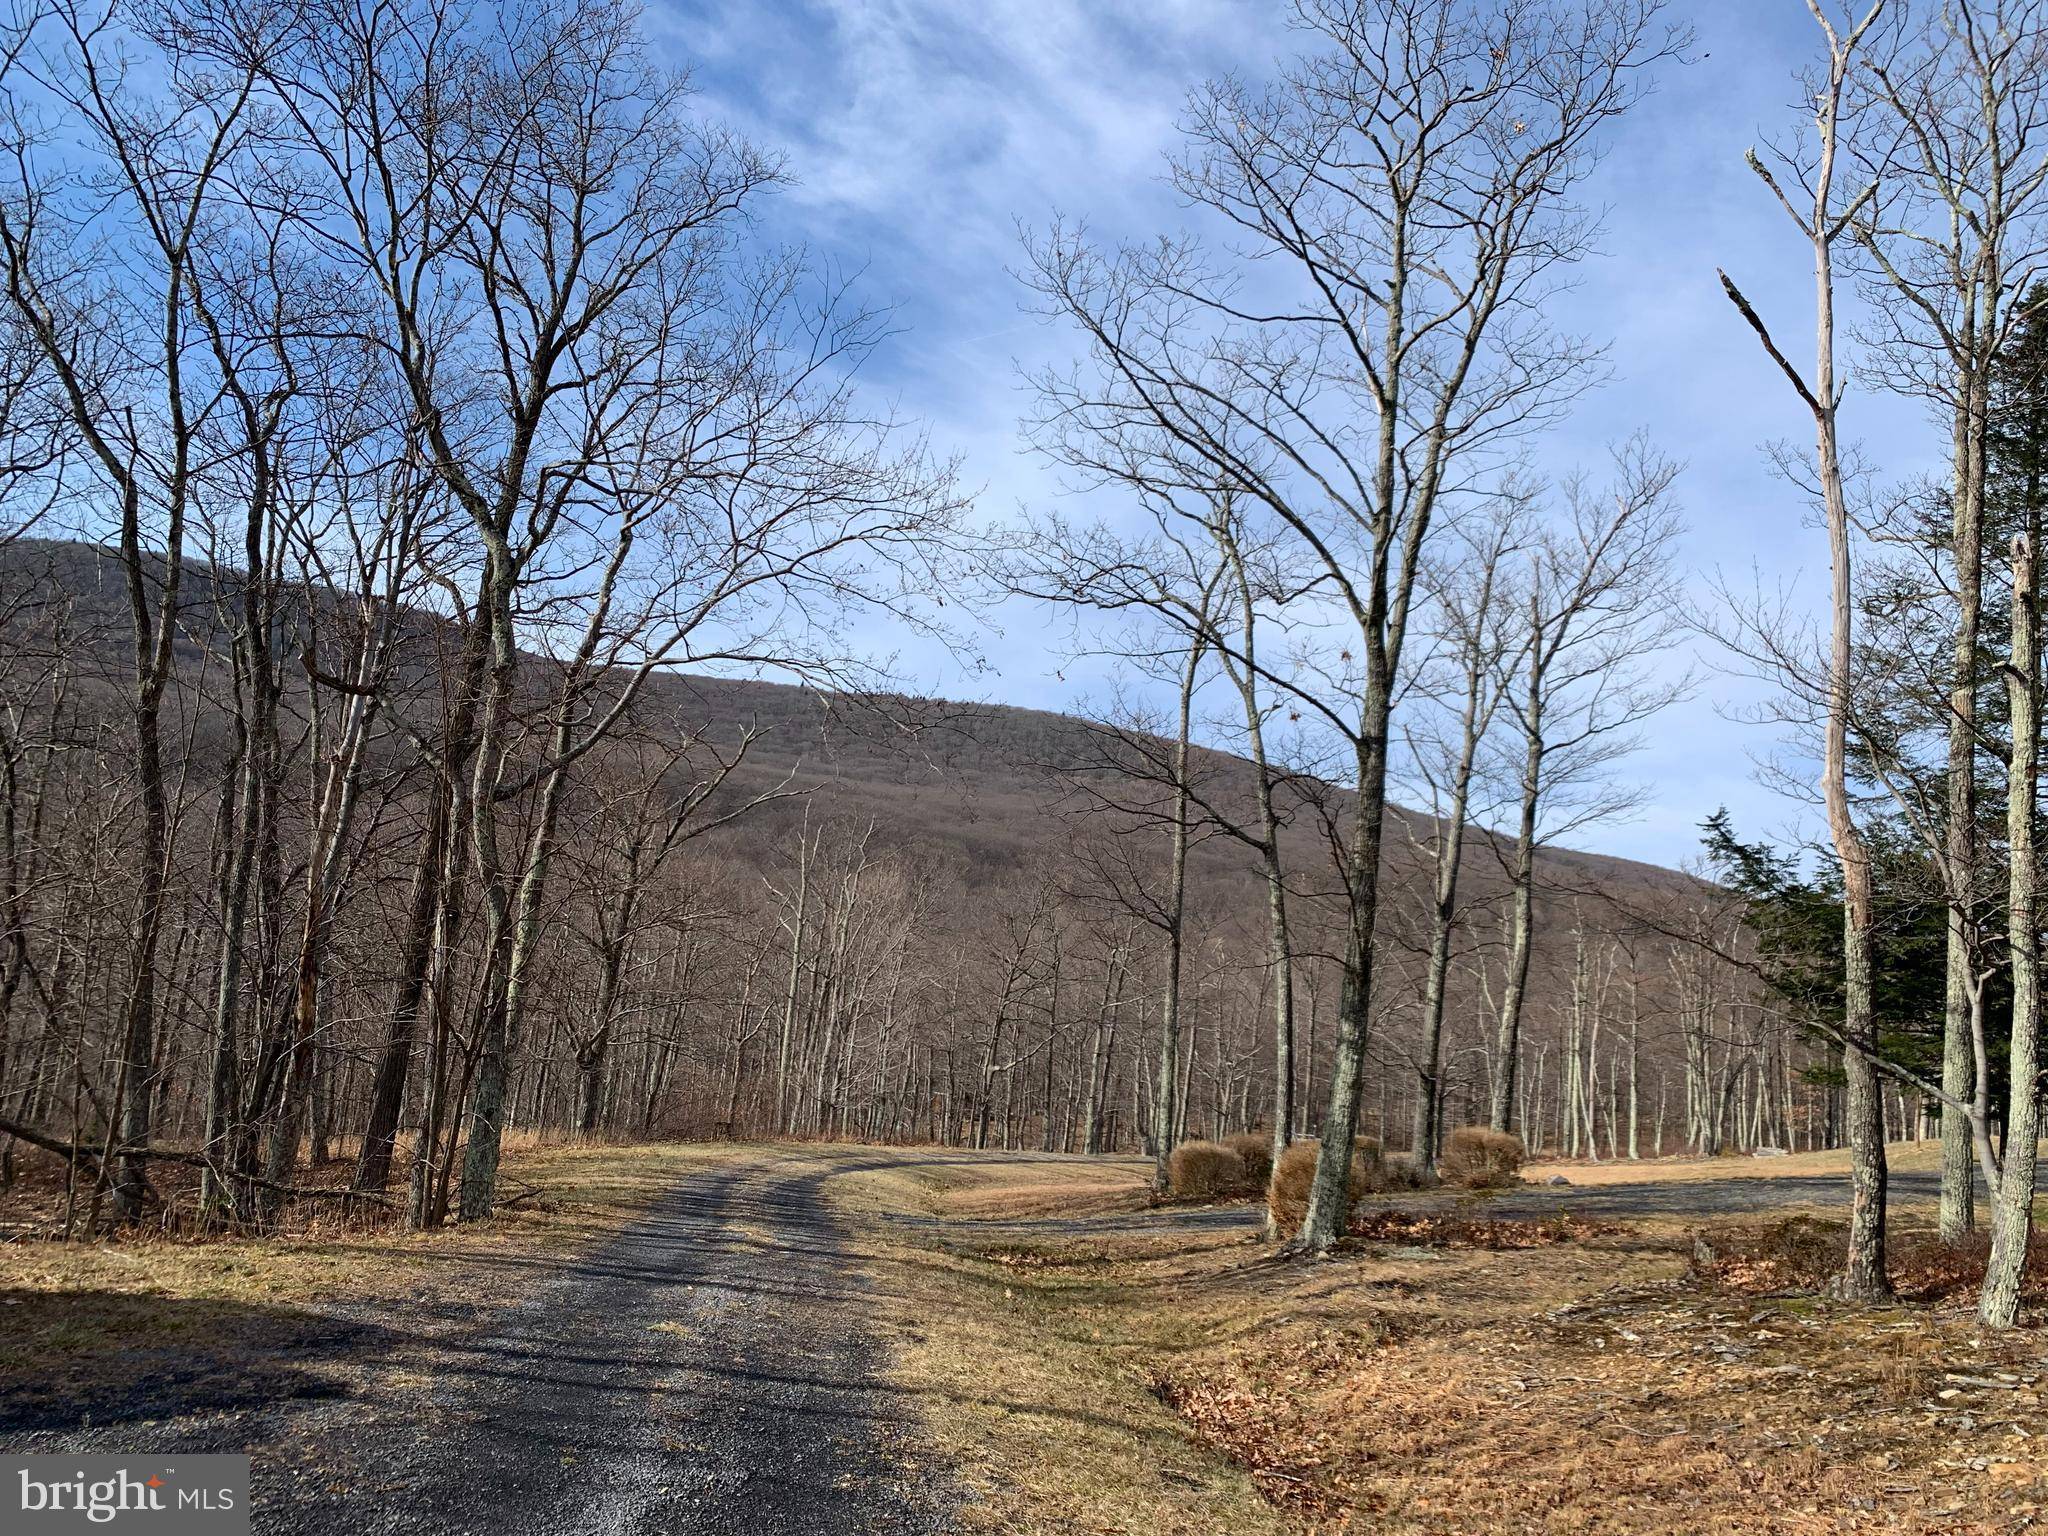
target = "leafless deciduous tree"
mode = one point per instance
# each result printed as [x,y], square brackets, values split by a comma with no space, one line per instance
[459,302]
[1824,216]
[1598,605]
[1405,189]
[1471,634]
[1955,235]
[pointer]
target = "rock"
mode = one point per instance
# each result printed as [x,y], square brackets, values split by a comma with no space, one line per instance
[1556,1179]
[1770,1152]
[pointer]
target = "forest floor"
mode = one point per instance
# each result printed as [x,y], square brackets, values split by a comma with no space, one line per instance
[798,1339]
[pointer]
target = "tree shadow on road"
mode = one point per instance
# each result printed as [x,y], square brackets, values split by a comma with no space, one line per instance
[77,1358]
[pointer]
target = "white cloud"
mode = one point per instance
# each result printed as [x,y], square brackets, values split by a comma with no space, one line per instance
[921,133]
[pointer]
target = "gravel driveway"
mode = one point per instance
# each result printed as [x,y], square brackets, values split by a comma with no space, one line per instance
[707,1371]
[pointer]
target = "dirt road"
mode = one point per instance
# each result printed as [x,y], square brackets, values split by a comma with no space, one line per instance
[707,1370]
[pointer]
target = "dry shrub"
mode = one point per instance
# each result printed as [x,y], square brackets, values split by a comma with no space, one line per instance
[1476,1158]
[1204,1170]
[1288,1186]
[1287,1190]
[1799,1253]
[1256,1149]
[1368,1165]
[1399,1173]
[1924,1268]
[1374,1171]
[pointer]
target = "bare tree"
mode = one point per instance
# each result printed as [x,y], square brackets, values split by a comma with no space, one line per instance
[1824,218]
[146,370]
[1954,233]
[632,834]
[1404,192]
[2012,1195]
[1598,605]
[1471,631]
[600,377]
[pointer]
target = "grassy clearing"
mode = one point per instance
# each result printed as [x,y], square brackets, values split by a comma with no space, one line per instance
[1002,1186]
[1450,1373]
[1026,1360]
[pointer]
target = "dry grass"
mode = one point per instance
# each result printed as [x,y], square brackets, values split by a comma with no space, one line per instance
[1447,1373]
[1450,1374]
[1005,1347]
[1002,1187]
[1588,1386]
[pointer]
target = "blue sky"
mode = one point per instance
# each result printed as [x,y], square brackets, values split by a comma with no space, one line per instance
[922,134]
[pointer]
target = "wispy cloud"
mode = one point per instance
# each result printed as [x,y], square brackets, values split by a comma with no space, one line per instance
[922,133]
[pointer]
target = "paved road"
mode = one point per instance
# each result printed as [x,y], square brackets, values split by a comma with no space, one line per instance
[1711,1197]
[1758,1196]
[706,1371]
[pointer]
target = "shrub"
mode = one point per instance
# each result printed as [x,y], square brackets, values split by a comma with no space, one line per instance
[1806,1253]
[1373,1172]
[1203,1170]
[1256,1149]
[1287,1191]
[1476,1158]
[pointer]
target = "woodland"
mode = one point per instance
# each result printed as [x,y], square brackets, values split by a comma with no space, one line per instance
[444,541]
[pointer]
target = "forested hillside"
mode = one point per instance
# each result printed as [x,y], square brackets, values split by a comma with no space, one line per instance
[778,910]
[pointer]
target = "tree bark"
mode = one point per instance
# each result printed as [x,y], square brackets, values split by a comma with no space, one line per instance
[2012,1215]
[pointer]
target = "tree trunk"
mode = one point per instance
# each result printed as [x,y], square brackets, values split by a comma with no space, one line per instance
[1166,1111]
[2012,1215]
[1522,936]
[1329,1204]
[1958,1050]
